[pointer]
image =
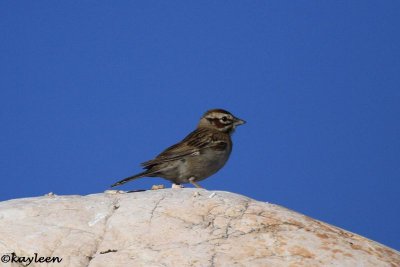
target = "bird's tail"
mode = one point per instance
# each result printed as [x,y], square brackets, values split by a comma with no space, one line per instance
[130,178]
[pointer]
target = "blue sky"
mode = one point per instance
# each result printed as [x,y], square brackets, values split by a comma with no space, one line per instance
[89,89]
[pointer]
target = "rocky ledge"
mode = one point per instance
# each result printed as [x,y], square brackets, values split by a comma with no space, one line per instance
[175,227]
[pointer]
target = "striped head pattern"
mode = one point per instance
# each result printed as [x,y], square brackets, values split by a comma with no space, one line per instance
[221,120]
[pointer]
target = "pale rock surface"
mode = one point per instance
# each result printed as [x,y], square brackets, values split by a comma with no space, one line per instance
[177,227]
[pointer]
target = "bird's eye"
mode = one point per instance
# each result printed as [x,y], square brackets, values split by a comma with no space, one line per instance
[224,118]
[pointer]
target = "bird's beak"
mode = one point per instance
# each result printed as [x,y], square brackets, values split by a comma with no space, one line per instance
[239,122]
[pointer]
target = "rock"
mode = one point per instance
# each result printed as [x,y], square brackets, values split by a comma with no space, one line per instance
[176,227]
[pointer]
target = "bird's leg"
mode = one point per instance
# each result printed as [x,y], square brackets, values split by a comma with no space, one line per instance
[174,185]
[192,181]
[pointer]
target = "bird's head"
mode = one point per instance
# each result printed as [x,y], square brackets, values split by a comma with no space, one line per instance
[220,120]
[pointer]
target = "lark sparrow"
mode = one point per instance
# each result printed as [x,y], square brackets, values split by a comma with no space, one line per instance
[202,153]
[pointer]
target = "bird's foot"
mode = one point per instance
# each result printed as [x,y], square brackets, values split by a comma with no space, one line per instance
[177,186]
[157,187]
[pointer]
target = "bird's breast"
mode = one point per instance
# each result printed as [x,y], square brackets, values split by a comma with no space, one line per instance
[204,165]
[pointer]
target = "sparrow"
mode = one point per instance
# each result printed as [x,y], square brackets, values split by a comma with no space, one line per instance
[199,155]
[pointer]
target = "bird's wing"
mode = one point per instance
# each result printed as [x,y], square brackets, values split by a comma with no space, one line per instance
[193,144]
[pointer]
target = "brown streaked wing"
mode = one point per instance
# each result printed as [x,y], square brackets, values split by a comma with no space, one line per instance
[196,141]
